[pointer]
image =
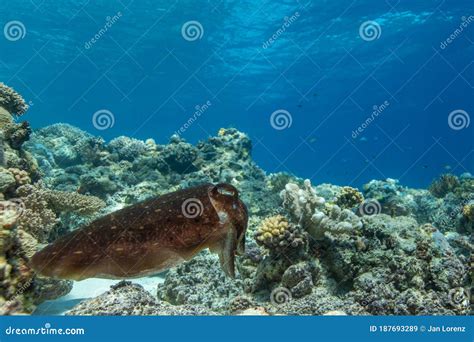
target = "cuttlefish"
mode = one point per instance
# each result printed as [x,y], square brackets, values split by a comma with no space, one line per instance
[151,236]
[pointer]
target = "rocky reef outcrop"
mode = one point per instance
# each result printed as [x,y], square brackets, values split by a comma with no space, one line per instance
[128,299]
[30,213]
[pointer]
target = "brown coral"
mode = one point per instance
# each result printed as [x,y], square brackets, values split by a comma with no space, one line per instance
[445,184]
[349,198]
[37,218]
[21,176]
[17,134]
[20,290]
[11,101]
[73,202]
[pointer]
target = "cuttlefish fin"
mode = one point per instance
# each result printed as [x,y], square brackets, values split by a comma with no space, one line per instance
[226,249]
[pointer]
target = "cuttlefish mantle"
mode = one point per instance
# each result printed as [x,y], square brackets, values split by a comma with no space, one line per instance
[151,236]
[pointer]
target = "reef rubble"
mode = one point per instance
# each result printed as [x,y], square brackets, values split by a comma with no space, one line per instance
[311,249]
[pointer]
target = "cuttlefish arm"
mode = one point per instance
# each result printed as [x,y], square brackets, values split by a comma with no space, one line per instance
[151,236]
[226,250]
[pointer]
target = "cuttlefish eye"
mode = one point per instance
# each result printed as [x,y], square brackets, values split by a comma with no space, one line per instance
[226,190]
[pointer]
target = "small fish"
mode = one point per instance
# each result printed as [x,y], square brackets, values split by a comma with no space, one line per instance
[447,167]
[363,139]
[312,140]
[151,236]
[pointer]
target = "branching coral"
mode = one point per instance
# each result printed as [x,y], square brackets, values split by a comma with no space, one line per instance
[41,207]
[11,101]
[313,214]
[301,203]
[278,235]
[72,202]
[37,218]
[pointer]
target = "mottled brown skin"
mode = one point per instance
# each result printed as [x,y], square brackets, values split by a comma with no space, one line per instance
[151,236]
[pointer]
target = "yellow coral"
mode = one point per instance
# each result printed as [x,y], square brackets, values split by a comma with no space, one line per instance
[349,198]
[272,226]
[276,233]
[221,132]
[468,211]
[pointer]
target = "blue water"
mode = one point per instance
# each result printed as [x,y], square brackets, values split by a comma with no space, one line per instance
[319,69]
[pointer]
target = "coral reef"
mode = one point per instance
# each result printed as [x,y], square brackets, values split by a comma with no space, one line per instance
[200,281]
[180,156]
[7,180]
[445,184]
[20,289]
[315,215]
[124,148]
[11,101]
[310,250]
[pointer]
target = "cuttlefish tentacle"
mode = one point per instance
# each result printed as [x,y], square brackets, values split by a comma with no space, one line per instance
[151,236]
